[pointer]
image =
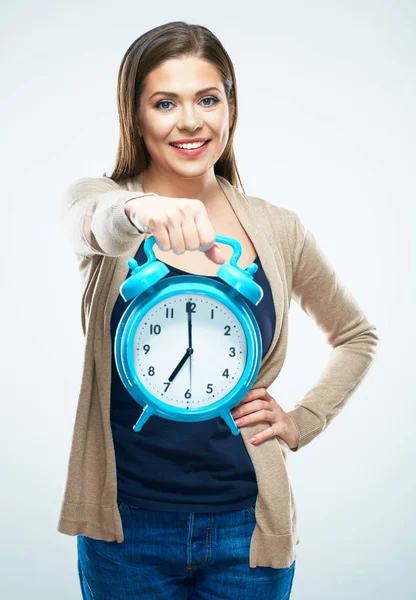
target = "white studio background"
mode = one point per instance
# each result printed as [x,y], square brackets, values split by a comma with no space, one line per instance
[326,128]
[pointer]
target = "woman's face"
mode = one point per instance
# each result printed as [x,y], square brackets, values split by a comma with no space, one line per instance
[164,118]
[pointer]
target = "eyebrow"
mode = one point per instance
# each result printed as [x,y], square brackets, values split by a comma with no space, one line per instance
[174,95]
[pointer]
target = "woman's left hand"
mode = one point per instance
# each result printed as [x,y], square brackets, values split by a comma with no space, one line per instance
[258,405]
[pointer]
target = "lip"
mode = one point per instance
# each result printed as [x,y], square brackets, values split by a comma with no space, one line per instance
[189,140]
[190,153]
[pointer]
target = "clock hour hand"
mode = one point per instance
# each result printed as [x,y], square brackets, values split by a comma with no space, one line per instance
[179,366]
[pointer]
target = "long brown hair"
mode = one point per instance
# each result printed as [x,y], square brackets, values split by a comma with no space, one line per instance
[172,40]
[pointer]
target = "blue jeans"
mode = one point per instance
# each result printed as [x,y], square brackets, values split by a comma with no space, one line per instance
[179,556]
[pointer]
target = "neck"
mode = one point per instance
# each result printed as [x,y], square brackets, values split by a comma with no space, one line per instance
[203,187]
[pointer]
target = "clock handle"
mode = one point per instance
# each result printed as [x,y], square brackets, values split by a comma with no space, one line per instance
[223,239]
[235,244]
[240,280]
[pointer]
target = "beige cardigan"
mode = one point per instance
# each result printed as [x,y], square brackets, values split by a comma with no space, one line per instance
[103,238]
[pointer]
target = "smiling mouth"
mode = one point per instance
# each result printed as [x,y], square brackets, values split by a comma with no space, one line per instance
[175,146]
[191,152]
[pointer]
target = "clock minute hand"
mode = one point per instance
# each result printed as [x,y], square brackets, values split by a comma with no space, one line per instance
[188,308]
[189,311]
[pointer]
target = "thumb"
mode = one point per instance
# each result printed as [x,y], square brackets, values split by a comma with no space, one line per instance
[215,254]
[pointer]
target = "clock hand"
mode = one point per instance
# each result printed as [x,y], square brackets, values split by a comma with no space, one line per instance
[189,350]
[188,308]
[179,366]
[190,371]
[189,311]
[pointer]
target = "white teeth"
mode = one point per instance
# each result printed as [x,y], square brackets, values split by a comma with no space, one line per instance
[189,146]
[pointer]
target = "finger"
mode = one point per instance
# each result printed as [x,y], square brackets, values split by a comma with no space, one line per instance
[251,407]
[253,394]
[190,234]
[248,398]
[207,237]
[160,233]
[174,227]
[258,416]
[266,434]
[205,228]
[215,255]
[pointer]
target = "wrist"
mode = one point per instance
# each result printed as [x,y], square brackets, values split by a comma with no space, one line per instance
[131,209]
[292,435]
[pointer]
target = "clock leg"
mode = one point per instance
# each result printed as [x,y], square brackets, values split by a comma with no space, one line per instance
[146,414]
[227,416]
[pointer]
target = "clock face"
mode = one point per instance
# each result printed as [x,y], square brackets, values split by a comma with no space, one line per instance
[177,376]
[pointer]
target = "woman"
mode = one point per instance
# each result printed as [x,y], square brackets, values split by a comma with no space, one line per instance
[188,510]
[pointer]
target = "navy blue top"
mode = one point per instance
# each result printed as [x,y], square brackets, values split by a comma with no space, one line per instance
[170,465]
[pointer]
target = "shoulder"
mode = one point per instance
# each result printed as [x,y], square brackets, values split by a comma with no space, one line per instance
[280,217]
[272,209]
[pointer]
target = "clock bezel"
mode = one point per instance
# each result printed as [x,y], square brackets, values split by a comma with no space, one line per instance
[167,288]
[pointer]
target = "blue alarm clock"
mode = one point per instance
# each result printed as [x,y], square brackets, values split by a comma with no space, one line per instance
[188,348]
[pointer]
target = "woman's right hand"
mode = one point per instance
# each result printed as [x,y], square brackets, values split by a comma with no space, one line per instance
[178,224]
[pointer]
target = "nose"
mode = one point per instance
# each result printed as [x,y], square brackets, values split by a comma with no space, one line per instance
[189,119]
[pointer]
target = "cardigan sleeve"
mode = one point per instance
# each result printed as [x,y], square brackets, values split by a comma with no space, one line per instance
[319,291]
[93,217]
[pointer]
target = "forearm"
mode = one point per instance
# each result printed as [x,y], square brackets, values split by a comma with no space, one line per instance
[322,294]
[94,218]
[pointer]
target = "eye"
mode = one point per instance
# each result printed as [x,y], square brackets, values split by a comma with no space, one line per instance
[210,98]
[159,104]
